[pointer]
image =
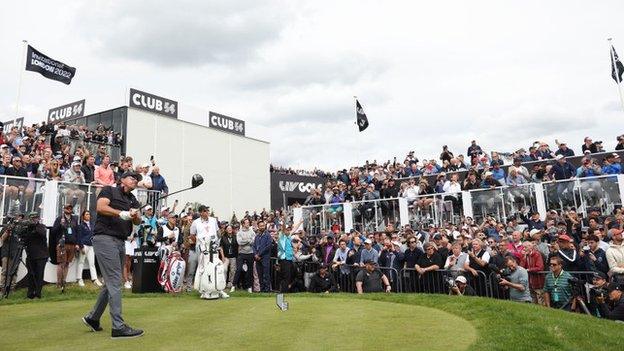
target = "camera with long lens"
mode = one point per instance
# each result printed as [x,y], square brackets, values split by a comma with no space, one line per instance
[19,227]
[499,274]
[450,283]
[579,287]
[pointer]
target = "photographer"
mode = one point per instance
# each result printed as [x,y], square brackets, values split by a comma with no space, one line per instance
[617,303]
[593,258]
[517,281]
[7,252]
[598,292]
[37,255]
[64,235]
[461,287]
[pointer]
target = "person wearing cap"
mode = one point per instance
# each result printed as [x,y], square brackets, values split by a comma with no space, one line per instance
[144,170]
[72,192]
[322,281]
[370,279]
[285,254]
[615,255]
[36,247]
[564,150]
[64,236]
[117,211]
[599,287]
[461,287]
[368,253]
[571,259]
[616,298]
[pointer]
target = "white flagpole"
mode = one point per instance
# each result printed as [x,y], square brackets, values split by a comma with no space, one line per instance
[357,141]
[22,68]
[616,72]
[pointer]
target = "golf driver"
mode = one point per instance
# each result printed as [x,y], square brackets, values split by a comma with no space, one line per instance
[196,181]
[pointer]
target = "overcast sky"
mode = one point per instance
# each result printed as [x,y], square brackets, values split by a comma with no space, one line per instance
[427,73]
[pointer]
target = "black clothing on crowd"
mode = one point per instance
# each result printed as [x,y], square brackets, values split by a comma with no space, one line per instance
[89,173]
[115,226]
[36,259]
[615,313]
[320,284]
[229,246]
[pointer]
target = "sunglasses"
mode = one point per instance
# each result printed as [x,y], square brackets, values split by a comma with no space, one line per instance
[554,264]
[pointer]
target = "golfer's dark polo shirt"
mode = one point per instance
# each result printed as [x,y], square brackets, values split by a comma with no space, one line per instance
[115,226]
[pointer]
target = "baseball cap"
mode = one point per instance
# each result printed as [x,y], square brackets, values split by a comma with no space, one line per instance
[461,279]
[559,157]
[69,204]
[148,207]
[534,231]
[614,286]
[132,174]
[565,237]
[600,275]
[75,164]
[396,243]
[368,241]
[488,174]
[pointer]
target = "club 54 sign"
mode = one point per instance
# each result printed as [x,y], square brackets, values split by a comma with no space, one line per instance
[152,103]
[69,111]
[226,124]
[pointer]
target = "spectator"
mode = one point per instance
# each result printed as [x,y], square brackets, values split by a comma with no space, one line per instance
[588,145]
[85,243]
[158,181]
[144,170]
[322,281]
[262,256]
[285,255]
[104,174]
[455,262]
[426,265]
[593,258]
[369,253]
[72,192]
[557,290]
[563,150]
[370,279]
[533,262]
[88,169]
[64,236]
[474,150]
[229,252]
[615,255]
[461,287]
[244,261]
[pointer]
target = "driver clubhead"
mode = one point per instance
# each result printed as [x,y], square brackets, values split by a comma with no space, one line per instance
[197,180]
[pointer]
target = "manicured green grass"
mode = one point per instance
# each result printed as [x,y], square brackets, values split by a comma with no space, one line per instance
[314,322]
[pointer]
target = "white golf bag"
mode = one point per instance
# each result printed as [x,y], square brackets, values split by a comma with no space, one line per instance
[171,270]
[210,275]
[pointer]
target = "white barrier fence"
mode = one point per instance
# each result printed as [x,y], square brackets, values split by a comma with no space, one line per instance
[601,193]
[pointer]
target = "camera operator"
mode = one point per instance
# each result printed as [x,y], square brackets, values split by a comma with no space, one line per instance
[36,255]
[461,287]
[7,252]
[517,281]
[617,302]
[598,290]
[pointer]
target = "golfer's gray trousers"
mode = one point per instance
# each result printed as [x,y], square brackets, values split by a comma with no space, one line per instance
[110,253]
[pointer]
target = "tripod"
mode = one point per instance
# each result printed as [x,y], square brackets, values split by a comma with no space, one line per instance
[11,272]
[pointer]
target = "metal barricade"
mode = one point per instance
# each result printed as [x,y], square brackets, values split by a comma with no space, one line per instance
[375,215]
[440,281]
[393,277]
[562,194]
[76,194]
[600,193]
[21,195]
[320,218]
[151,197]
[519,197]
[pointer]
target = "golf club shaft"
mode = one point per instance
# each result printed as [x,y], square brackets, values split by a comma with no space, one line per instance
[164,196]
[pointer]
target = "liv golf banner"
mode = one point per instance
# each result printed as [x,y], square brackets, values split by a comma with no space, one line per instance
[48,67]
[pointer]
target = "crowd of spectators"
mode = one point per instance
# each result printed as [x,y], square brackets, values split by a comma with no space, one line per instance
[475,158]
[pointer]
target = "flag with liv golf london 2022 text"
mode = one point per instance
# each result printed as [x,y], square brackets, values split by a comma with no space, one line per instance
[48,67]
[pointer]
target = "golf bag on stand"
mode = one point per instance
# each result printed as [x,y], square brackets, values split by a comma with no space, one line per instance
[210,275]
[171,270]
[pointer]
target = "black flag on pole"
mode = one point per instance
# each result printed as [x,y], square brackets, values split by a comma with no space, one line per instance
[362,120]
[617,68]
[48,67]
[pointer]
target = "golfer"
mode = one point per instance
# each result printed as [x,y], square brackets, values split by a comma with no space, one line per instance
[117,210]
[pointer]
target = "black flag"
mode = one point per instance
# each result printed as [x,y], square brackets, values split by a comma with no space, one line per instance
[616,69]
[362,120]
[48,67]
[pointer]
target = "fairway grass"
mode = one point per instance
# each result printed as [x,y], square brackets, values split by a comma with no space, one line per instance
[239,323]
[313,322]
